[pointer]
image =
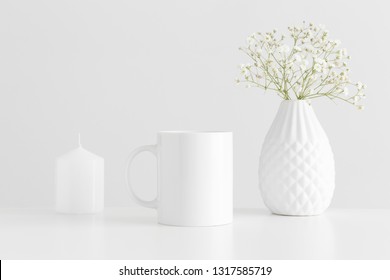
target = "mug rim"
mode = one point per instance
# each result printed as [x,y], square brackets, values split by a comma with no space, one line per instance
[193,132]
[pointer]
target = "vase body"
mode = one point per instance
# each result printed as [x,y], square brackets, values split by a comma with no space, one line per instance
[296,171]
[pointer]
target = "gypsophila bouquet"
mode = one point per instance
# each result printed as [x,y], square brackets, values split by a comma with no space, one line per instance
[303,65]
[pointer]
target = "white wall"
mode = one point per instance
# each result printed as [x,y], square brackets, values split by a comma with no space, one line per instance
[119,71]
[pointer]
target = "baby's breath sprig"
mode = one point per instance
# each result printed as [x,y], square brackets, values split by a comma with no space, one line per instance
[311,66]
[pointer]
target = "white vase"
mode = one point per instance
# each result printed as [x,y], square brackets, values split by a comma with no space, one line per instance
[296,172]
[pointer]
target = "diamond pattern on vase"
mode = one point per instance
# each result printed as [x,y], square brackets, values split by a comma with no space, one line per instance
[296,171]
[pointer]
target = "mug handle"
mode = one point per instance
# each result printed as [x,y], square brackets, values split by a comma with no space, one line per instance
[149,148]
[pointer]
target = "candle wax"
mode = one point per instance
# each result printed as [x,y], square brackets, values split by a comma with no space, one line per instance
[80,182]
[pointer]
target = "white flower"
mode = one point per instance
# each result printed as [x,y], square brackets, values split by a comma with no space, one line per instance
[343,76]
[313,77]
[274,69]
[284,49]
[360,107]
[342,52]
[303,65]
[326,47]
[251,40]
[309,48]
[297,49]
[297,57]
[338,63]
[305,59]
[319,60]
[317,67]
[359,85]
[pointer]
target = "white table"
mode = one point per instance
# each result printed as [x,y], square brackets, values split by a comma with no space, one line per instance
[132,233]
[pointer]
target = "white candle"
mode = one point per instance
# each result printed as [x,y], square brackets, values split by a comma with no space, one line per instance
[80,182]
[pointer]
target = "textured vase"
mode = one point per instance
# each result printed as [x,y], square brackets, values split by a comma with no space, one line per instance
[296,172]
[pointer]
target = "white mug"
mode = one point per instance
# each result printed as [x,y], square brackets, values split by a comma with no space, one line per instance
[195,178]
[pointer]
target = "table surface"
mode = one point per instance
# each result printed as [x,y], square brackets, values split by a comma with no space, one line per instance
[133,233]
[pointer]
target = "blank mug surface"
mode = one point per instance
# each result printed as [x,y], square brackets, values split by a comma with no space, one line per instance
[195,178]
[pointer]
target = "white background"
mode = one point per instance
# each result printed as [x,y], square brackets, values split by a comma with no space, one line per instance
[119,71]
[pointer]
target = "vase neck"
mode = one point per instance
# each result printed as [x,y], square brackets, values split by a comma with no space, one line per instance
[294,121]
